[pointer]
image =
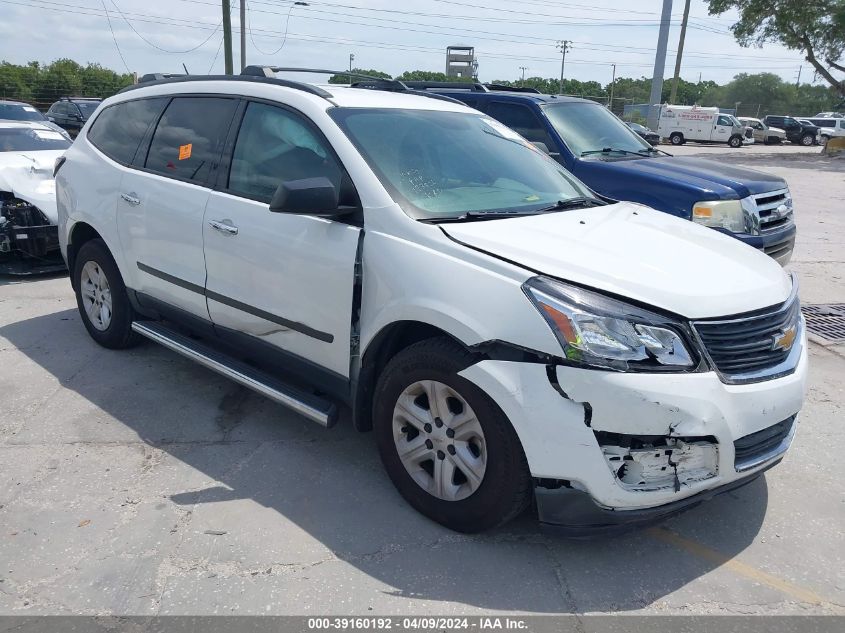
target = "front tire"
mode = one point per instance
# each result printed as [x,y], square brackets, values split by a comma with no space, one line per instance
[448,448]
[735,141]
[101,297]
[807,140]
[823,140]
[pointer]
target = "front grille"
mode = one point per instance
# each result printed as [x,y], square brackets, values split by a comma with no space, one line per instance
[751,447]
[747,344]
[769,209]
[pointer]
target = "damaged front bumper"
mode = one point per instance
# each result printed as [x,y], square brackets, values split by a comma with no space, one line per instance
[28,244]
[608,449]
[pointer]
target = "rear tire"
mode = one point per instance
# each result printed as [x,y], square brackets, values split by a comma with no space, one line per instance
[462,464]
[676,138]
[101,297]
[807,140]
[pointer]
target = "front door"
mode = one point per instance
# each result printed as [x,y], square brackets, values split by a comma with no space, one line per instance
[281,278]
[722,129]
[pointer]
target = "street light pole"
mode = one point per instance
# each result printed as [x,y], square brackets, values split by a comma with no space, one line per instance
[351,58]
[523,69]
[612,84]
[563,46]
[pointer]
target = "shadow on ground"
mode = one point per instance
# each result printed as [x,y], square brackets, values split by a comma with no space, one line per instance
[318,487]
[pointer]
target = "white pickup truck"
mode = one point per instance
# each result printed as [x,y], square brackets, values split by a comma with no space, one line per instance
[508,335]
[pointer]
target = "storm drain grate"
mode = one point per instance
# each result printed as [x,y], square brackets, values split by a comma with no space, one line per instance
[826,321]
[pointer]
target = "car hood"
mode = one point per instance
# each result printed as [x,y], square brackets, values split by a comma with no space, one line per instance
[636,252]
[717,178]
[29,176]
[776,130]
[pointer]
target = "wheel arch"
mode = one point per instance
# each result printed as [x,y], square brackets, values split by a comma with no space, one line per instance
[388,342]
[80,233]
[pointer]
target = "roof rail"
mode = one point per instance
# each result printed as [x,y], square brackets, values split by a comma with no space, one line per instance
[296,85]
[369,82]
[159,76]
[270,71]
[473,86]
[504,88]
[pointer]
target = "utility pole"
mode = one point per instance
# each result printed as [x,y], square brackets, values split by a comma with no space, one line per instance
[659,65]
[612,84]
[243,33]
[680,54]
[351,59]
[523,69]
[798,81]
[564,47]
[227,37]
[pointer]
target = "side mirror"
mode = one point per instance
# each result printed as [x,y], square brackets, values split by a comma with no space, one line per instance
[307,196]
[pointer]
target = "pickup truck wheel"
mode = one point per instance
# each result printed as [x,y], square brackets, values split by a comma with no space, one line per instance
[447,447]
[807,140]
[676,138]
[735,141]
[101,297]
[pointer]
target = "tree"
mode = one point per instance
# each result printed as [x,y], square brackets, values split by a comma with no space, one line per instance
[344,79]
[816,28]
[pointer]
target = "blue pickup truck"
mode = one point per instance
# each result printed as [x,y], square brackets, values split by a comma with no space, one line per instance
[596,146]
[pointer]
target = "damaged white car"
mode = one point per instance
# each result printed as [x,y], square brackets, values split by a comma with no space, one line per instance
[29,241]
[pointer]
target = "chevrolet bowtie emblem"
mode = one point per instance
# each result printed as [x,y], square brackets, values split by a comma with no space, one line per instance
[784,339]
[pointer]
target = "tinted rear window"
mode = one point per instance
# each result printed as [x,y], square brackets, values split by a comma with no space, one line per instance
[19,112]
[190,136]
[119,129]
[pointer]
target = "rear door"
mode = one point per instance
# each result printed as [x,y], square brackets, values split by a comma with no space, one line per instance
[163,200]
[282,279]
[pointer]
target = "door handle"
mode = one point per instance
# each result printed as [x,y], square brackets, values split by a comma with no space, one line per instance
[131,198]
[224,226]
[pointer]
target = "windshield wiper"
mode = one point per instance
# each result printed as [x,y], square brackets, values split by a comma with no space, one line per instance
[580,202]
[611,150]
[481,215]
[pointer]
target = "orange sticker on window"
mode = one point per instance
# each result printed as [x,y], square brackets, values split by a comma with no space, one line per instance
[185,151]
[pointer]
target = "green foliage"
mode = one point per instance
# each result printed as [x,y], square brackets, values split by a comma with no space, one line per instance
[42,85]
[428,75]
[816,28]
[344,79]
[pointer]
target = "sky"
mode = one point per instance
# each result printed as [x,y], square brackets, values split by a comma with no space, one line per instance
[388,35]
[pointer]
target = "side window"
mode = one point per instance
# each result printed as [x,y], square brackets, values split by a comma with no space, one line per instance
[521,119]
[723,120]
[119,129]
[274,145]
[59,108]
[842,124]
[73,110]
[190,136]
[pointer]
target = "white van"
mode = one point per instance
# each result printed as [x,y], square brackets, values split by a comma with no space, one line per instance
[511,338]
[705,125]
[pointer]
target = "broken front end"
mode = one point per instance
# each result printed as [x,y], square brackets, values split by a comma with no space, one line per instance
[29,242]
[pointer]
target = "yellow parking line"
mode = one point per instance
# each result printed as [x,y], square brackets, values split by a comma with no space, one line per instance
[702,551]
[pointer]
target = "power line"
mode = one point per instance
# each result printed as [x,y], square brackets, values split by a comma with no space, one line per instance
[108,19]
[305,37]
[164,50]
[284,37]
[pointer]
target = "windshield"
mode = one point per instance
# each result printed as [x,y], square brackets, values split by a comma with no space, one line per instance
[19,112]
[590,127]
[30,140]
[87,107]
[446,164]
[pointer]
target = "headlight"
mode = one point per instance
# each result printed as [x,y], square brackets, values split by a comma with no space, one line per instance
[598,331]
[723,214]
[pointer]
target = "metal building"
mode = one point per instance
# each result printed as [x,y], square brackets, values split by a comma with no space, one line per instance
[460,61]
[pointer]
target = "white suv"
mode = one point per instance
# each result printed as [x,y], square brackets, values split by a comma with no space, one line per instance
[506,334]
